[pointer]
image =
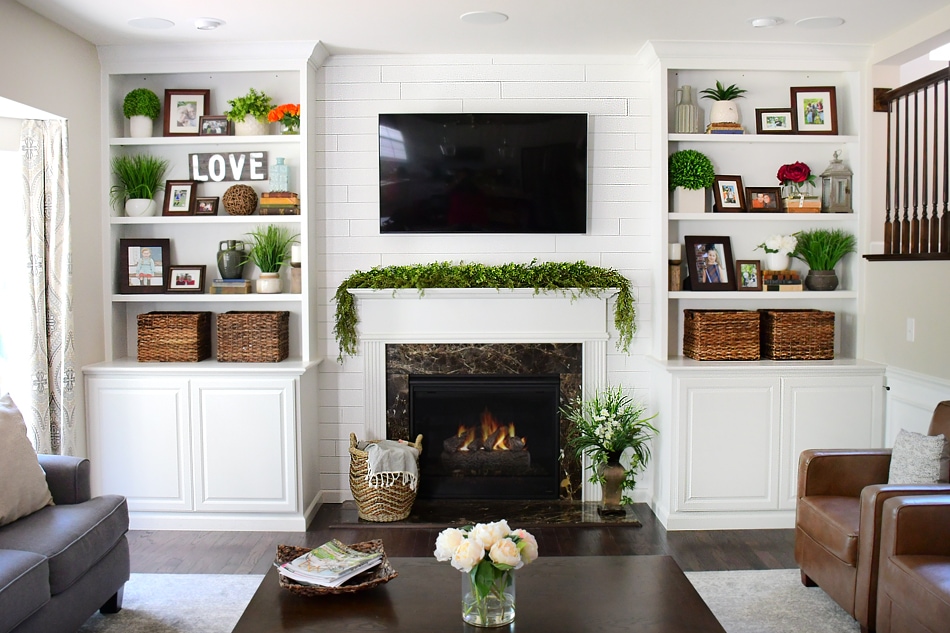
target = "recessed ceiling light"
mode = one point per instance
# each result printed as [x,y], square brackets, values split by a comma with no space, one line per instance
[208,24]
[151,23]
[764,23]
[483,17]
[819,23]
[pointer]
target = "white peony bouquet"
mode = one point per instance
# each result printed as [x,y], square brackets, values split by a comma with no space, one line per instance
[467,547]
[784,244]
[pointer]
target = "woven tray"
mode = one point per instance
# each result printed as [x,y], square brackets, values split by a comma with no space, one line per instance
[383,504]
[253,337]
[721,334]
[797,334]
[378,575]
[170,337]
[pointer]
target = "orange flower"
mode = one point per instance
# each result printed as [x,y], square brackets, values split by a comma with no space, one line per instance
[287,113]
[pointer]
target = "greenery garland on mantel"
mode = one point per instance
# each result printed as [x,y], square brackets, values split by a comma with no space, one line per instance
[574,278]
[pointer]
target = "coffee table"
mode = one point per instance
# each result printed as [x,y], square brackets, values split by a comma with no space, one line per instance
[568,594]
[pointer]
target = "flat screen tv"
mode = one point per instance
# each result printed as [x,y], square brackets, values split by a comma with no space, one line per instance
[483,173]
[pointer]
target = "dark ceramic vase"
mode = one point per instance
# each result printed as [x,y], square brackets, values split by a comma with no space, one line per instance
[821,280]
[231,259]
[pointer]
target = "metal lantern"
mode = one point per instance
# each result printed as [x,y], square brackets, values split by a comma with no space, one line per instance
[836,187]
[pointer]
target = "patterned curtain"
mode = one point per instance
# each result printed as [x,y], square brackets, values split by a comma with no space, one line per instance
[44,149]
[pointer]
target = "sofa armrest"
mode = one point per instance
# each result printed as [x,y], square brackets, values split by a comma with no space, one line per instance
[841,472]
[68,478]
[916,525]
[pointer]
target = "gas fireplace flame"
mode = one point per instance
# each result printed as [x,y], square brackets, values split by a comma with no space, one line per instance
[489,435]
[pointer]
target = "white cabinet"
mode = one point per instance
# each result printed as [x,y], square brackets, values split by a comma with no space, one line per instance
[730,439]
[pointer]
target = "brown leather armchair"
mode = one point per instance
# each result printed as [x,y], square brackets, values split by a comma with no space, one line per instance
[841,494]
[914,575]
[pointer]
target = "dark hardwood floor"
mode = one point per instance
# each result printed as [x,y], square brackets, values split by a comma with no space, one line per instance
[186,552]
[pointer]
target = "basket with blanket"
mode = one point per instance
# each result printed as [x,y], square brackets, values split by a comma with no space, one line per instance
[384,477]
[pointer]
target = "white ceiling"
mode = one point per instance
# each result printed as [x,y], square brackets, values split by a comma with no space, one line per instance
[574,27]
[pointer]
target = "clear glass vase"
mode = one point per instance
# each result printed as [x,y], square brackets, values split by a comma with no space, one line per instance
[492,604]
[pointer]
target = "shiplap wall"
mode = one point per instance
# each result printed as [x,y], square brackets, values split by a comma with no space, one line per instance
[353,90]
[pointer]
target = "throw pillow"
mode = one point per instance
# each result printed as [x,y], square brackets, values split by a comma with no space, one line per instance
[919,459]
[24,489]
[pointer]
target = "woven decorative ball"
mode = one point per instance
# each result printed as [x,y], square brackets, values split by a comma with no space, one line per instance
[239,200]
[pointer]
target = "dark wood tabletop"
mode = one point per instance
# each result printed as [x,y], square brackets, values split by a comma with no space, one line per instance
[571,594]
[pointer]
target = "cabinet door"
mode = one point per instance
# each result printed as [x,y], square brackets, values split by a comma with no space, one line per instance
[140,441]
[729,443]
[245,438]
[828,412]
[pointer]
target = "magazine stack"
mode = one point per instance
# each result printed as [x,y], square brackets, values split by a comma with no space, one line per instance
[329,565]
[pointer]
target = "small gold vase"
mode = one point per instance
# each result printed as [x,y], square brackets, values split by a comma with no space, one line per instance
[612,475]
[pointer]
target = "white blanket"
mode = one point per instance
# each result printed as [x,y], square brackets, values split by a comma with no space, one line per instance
[390,462]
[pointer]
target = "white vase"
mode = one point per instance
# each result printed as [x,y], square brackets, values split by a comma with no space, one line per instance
[251,127]
[140,126]
[689,200]
[687,113]
[776,261]
[140,207]
[268,283]
[723,112]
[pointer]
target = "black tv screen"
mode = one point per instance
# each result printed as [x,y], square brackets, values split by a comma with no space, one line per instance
[483,173]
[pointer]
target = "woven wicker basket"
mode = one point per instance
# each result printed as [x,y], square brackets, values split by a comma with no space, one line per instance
[383,504]
[170,337]
[253,337]
[798,334]
[721,334]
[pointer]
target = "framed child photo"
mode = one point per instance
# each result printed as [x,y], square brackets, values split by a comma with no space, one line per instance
[206,206]
[815,110]
[709,262]
[774,121]
[143,265]
[183,111]
[180,197]
[186,279]
[729,194]
[749,274]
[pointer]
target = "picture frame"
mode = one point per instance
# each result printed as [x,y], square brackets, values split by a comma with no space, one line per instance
[206,206]
[183,278]
[180,197]
[729,194]
[774,121]
[815,110]
[764,199]
[143,265]
[214,125]
[183,111]
[706,270]
[748,274]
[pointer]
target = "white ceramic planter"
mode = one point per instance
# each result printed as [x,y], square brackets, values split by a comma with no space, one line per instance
[140,207]
[689,200]
[776,261]
[140,126]
[268,284]
[251,127]
[723,112]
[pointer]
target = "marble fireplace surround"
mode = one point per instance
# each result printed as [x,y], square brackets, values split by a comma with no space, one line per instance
[476,315]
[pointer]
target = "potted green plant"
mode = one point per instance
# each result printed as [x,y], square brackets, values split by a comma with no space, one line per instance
[269,250]
[608,425]
[139,177]
[723,109]
[690,173]
[249,113]
[141,106]
[822,249]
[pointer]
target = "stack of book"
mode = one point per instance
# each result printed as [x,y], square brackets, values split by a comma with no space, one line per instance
[329,565]
[230,287]
[280,203]
[781,281]
[724,128]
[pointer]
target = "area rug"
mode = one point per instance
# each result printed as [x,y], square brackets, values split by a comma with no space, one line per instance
[772,601]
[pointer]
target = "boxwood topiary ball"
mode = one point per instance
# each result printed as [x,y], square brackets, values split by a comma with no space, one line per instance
[239,200]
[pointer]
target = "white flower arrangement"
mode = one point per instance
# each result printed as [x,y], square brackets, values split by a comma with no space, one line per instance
[784,244]
[467,547]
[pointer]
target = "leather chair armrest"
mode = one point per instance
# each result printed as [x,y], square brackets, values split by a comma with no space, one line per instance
[916,525]
[68,478]
[841,472]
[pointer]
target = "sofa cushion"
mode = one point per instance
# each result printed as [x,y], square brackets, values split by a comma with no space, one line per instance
[919,459]
[833,522]
[24,587]
[73,537]
[921,584]
[24,488]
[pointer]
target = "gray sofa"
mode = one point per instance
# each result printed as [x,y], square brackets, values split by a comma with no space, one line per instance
[61,564]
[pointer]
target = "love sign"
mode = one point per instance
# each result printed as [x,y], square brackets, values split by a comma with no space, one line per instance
[228,166]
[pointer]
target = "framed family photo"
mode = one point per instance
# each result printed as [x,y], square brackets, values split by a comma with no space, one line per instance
[709,262]
[764,199]
[206,206]
[186,279]
[183,111]
[749,274]
[214,125]
[180,197]
[774,121]
[143,265]
[815,110]
[729,194]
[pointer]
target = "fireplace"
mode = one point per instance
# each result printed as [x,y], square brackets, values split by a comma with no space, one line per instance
[486,436]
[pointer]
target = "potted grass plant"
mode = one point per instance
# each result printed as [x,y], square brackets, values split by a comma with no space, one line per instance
[690,173]
[141,106]
[249,113]
[139,177]
[270,251]
[822,249]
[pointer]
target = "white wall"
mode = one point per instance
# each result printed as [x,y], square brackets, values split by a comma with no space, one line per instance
[49,68]
[355,89]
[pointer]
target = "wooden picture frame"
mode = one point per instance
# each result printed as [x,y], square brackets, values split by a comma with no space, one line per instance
[709,271]
[186,279]
[180,197]
[214,125]
[206,206]
[815,110]
[774,121]
[729,194]
[764,199]
[183,111]
[748,274]
[143,265]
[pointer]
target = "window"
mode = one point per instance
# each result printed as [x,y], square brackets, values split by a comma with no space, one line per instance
[14,317]
[391,144]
